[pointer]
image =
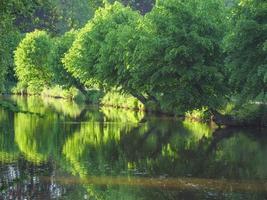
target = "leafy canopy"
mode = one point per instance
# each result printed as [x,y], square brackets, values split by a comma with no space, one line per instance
[32,59]
[247,52]
[179,58]
[85,58]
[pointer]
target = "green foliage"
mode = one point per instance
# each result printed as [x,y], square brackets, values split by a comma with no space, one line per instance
[118,100]
[246,48]
[228,108]
[61,46]
[8,42]
[32,58]
[72,14]
[251,113]
[201,115]
[30,15]
[95,96]
[39,65]
[143,6]
[95,4]
[176,58]
[171,59]
[179,59]
[58,92]
[86,58]
[61,76]
[20,16]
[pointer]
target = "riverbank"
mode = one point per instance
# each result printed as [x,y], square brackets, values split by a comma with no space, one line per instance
[249,115]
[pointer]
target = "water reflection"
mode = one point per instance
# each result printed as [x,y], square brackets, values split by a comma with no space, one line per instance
[8,149]
[73,151]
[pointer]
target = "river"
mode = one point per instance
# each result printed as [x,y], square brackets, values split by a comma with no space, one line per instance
[55,149]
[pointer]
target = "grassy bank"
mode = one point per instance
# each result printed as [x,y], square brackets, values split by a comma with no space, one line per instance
[254,114]
[121,101]
[53,92]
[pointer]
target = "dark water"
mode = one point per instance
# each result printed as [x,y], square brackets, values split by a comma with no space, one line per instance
[61,150]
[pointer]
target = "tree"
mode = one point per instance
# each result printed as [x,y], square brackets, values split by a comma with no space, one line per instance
[180,60]
[38,61]
[60,75]
[173,56]
[32,59]
[143,6]
[35,14]
[86,59]
[246,48]
[73,13]
[9,40]
[18,16]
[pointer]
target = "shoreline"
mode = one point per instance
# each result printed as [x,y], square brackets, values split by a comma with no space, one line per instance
[220,120]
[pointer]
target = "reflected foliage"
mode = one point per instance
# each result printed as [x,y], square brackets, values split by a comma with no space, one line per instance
[73,151]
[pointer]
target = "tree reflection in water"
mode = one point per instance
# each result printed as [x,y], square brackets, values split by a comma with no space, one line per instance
[81,152]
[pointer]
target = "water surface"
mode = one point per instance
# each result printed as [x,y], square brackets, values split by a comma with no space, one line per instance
[56,149]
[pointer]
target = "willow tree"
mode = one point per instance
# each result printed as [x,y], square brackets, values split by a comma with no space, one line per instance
[247,51]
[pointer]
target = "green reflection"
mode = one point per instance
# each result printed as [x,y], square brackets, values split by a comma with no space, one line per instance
[44,105]
[94,148]
[178,150]
[123,147]
[243,156]
[34,136]
[173,148]
[122,115]
[95,144]
[64,107]
[30,104]
[39,137]
[118,150]
[8,150]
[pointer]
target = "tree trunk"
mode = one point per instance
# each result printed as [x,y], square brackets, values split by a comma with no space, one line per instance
[77,84]
[80,87]
[140,97]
